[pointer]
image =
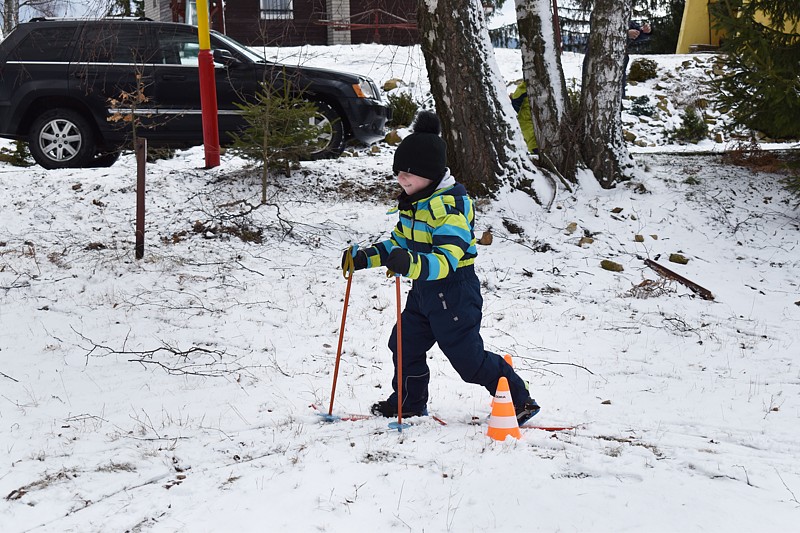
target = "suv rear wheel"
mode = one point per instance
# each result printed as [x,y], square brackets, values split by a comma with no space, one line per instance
[329,144]
[61,138]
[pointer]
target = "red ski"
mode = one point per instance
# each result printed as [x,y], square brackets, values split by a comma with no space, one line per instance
[356,417]
[549,428]
[478,421]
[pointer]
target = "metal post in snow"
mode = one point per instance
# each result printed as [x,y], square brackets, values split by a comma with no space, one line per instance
[141,159]
[208,87]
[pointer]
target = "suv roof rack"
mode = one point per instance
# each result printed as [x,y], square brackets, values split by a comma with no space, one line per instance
[109,17]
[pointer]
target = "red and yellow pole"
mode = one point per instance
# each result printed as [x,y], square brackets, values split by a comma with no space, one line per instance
[208,88]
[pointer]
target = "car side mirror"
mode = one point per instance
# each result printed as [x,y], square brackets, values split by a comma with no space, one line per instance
[224,57]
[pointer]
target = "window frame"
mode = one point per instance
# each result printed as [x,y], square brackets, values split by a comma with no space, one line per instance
[276,9]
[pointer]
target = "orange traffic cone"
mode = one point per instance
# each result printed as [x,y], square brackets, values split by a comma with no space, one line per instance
[503,421]
[510,362]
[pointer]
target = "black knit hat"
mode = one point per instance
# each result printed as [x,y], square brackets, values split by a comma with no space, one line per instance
[423,152]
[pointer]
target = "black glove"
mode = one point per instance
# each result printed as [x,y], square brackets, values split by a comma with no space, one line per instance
[399,261]
[359,261]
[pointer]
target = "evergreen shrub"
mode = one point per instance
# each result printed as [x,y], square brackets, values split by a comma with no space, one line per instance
[643,69]
[18,157]
[403,107]
[280,130]
[693,129]
[759,82]
[641,106]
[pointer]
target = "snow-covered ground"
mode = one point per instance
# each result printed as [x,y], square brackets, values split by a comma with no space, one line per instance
[173,393]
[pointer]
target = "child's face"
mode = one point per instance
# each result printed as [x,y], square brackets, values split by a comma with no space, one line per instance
[411,183]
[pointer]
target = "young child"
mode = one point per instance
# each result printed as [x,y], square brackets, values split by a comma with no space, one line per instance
[434,245]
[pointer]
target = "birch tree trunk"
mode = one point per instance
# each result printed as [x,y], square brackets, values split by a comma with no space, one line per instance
[592,134]
[485,149]
[10,15]
[553,118]
[47,8]
[602,145]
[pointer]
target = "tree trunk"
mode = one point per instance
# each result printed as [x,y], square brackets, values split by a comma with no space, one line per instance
[553,120]
[47,8]
[484,146]
[602,145]
[592,134]
[10,15]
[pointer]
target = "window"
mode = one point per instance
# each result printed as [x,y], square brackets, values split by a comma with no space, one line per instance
[182,48]
[114,43]
[276,9]
[46,44]
[178,48]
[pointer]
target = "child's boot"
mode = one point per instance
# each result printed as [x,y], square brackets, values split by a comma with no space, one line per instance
[389,410]
[526,411]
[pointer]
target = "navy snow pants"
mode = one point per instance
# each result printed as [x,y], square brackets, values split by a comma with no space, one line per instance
[447,312]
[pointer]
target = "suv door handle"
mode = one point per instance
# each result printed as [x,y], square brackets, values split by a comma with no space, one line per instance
[173,77]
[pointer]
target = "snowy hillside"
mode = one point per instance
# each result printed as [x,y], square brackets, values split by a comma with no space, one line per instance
[174,393]
[652,109]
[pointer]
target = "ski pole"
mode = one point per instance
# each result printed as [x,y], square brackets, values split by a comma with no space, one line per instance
[347,272]
[399,356]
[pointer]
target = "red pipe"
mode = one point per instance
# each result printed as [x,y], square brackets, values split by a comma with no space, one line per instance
[208,103]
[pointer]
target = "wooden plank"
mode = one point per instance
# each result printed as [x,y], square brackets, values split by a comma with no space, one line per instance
[702,292]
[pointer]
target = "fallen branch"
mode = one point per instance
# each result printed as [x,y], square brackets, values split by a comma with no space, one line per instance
[705,294]
[195,361]
[555,363]
[16,285]
[209,370]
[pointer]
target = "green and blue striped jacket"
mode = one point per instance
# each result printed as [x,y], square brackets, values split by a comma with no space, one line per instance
[437,230]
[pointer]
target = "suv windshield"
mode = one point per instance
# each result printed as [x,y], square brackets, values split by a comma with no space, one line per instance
[252,56]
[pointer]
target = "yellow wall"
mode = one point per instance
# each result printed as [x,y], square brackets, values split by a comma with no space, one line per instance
[696,26]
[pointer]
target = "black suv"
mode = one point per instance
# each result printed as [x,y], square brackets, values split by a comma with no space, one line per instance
[59,79]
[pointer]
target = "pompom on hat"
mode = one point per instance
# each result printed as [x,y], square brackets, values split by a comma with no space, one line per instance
[424,152]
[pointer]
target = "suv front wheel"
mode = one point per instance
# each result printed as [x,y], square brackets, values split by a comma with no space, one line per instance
[329,143]
[61,138]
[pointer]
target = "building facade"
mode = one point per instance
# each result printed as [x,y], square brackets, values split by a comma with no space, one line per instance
[298,22]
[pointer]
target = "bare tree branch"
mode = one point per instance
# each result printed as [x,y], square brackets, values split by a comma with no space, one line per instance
[195,361]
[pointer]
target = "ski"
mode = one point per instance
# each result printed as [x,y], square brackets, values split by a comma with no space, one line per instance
[355,417]
[477,421]
[549,428]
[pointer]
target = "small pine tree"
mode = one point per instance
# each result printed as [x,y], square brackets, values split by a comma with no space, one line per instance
[18,157]
[693,129]
[280,130]
[404,109]
[760,86]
